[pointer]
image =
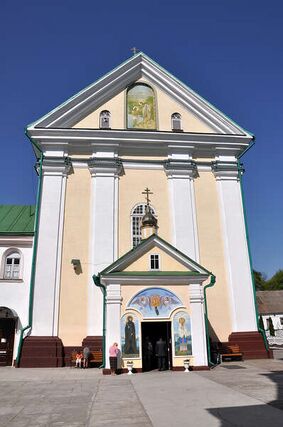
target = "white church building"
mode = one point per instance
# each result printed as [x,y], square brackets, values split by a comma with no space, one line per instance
[139,225]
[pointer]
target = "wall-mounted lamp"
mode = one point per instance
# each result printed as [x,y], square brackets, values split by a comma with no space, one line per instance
[77,265]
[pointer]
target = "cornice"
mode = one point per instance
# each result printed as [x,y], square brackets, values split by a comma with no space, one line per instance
[128,142]
[152,280]
[17,240]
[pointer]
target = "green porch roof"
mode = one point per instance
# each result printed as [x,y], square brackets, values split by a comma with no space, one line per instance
[17,219]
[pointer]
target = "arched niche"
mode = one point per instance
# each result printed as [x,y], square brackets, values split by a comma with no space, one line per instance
[141,107]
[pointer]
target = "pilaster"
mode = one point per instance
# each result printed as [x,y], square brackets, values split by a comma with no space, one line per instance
[113,316]
[181,175]
[49,250]
[103,230]
[235,246]
[199,347]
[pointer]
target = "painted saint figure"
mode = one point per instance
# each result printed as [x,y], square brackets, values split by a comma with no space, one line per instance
[183,333]
[130,337]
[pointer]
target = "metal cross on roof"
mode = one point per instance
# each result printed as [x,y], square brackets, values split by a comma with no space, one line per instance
[147,192]
[134,50]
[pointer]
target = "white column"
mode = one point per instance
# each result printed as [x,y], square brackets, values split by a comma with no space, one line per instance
[181,176]
[49,250]
[103,231]
[199,347]
[235,246]
[113,316]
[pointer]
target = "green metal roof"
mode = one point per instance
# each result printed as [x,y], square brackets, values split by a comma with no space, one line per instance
[17,219]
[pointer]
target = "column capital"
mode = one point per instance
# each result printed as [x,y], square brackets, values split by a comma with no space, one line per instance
[105,167]
[181,169]
[54,166]
[226,170]
[196,293]
[113,294]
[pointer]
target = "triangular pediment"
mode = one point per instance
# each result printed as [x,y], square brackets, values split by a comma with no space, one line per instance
[138,67]
[172,261]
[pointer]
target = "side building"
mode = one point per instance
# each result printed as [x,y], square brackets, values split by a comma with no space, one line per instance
[16,249]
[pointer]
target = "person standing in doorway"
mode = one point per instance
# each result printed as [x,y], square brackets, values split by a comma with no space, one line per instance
[161,353]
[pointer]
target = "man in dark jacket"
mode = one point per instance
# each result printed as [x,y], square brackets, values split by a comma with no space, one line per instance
[161,353]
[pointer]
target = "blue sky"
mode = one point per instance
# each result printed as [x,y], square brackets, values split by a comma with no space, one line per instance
[229,51]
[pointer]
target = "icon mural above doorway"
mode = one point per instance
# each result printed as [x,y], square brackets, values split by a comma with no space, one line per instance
[182,334]
[155,303]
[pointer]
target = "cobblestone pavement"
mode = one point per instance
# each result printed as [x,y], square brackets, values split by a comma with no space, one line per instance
[233,394]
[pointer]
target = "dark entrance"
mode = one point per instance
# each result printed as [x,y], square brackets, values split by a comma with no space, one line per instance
[151,332]
[7,334]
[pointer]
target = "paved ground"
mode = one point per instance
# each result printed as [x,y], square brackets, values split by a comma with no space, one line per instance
[233,394]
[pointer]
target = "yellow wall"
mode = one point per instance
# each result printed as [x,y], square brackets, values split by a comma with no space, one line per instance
[167,263]
[116,106]
[212,253]
[131,186]
[73,297]
[166,106]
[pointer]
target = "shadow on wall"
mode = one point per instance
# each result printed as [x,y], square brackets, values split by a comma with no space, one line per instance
[269,414]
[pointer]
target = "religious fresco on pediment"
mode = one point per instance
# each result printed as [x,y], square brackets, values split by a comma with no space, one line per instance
[130,336]
[141,112]
[182,334]
[154,303]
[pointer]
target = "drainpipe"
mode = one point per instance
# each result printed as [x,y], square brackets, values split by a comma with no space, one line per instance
[209,285]
[33,265]
[96,280]
[240,170]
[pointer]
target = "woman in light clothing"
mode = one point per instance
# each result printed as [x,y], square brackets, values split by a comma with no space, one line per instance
[113,356]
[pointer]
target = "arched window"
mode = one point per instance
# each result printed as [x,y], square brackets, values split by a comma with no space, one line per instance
[12,264]
[104,119]
[176,122]
[136,222]
[141,110]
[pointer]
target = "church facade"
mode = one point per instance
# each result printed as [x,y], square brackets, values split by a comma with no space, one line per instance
[102,274]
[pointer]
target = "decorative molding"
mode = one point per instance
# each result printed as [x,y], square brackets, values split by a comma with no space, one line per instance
[152,280]
[105,167]
[181,169]
[225,170]
[113,295]
[196,294]
[54,166]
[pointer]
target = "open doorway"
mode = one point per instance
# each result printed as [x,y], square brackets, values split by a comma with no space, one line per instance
[151,332]
[7,335]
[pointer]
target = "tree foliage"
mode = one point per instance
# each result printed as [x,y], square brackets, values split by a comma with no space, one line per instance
[273,284]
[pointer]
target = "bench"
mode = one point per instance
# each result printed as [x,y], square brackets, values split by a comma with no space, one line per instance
[231,351]
[94,358]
